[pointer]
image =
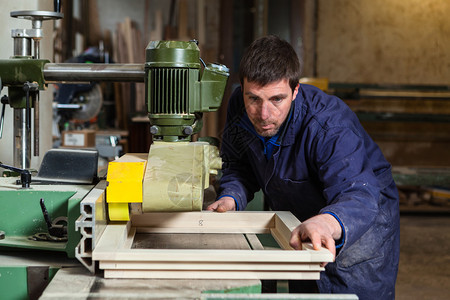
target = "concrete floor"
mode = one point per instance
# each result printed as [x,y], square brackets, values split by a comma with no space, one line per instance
[424,271]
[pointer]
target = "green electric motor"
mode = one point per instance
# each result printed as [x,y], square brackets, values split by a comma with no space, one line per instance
[179,89]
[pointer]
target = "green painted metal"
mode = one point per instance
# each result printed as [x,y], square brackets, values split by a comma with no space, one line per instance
[52,272]
[249,289]
[257,203]
[13,283]
[213,82]
[177,90]
[15,72]
[21,215]
[172,54]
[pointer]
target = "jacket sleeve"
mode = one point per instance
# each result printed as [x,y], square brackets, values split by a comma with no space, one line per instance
[238,180]
[350,186]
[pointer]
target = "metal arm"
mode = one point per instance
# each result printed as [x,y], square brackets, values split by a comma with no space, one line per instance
[2,118]
[25,175]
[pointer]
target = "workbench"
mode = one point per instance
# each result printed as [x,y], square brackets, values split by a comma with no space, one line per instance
[25,274]
[78,282]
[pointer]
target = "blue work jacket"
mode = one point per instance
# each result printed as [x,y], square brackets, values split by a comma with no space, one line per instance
[322,161]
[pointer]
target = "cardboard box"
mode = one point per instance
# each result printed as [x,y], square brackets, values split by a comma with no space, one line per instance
[79,138]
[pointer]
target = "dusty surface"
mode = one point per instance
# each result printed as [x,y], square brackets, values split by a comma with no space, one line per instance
[424,271]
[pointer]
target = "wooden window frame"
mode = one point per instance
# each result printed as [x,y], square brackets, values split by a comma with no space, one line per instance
[118,259]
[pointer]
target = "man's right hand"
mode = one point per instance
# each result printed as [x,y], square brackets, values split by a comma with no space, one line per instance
[222,205]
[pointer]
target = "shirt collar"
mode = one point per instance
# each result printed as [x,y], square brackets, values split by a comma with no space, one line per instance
[278,137]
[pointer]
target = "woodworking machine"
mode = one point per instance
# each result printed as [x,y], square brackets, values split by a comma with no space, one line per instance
[177,170]
[65,207]
[172,177]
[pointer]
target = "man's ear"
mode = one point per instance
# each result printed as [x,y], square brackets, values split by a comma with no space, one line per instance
[294,94]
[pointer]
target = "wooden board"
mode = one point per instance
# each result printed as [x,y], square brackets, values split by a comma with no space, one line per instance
[205,266]
[271,275]
[119,253]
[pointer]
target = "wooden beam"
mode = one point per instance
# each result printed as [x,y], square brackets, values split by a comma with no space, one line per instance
[183,21]
[285,222]
[212,274]
[254,242]
[204,266]
[204,221]
[194,255]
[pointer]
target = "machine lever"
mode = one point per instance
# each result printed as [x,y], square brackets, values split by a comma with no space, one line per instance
[5,100]
[45,213]
[57,6]
[33,88]
[54,230]
[25,175]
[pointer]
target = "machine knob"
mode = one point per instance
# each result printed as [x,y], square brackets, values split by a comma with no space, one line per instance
[188,130]
[154,129]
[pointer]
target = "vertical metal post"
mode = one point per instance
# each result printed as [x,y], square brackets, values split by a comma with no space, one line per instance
[36,124]
[22,136]
[22,139]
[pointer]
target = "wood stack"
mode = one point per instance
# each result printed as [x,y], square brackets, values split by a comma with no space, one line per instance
[205,245]
[129,42]
[129,48]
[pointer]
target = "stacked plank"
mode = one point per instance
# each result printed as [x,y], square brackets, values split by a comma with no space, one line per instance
[129,48]
[125,250]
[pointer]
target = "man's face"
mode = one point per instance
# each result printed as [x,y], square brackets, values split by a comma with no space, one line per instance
[268,106]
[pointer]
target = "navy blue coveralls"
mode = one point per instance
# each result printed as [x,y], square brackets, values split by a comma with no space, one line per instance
[321,161]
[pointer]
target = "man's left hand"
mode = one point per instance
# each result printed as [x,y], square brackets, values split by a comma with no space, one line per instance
[222,205]
[320,230]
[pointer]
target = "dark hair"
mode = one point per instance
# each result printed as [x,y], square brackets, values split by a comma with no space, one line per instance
[269,59]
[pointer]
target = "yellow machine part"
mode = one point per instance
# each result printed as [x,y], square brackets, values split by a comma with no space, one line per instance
[118,212]
[124,186]
[173,178]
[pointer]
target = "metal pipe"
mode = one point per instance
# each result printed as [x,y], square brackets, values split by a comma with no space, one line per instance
[36,124]
[2,116]
[66,72]
[36,46]
[22,140]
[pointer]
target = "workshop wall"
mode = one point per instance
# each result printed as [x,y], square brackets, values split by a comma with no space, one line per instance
[6,51]
[384,41]
[392,43]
